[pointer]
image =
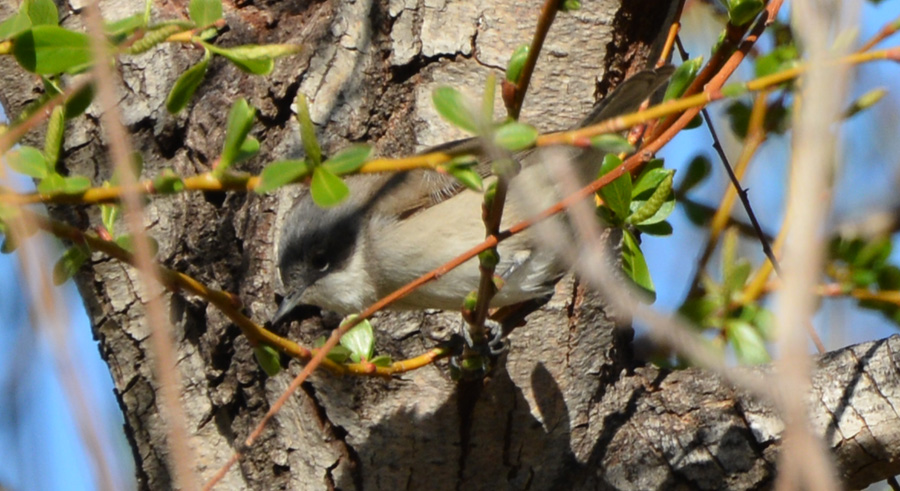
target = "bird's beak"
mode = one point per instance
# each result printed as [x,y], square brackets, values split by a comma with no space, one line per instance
[287,305]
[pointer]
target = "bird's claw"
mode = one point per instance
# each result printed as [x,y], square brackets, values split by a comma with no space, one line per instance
[475,359]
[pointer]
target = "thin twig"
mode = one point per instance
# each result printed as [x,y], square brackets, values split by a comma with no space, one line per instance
[226,302]
[588,256]
[741,192]
[545,20]
[887,31]
[708,211]
[735,181]
[181,456]
[15,133]
[628,165]
[672,36]
[493,215]
[892,482]
[577,137]
[804,461]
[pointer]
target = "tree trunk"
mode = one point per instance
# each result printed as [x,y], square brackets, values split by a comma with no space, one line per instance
[567,407]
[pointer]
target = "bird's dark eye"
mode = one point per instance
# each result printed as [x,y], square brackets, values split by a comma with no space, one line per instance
[319,261]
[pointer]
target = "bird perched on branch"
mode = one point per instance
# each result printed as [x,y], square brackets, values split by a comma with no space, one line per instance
[396,227]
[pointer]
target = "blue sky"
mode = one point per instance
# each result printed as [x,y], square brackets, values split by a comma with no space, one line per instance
[38,437]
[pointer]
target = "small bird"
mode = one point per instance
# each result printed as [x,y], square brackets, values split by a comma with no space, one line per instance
[396,227]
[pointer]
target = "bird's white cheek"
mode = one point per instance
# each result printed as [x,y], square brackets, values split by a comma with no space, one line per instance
[347,291]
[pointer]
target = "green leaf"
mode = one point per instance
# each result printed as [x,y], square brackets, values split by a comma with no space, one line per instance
[778,118]
[749,346]
[467,177]
[635,266]
[739,118]
[451,105]
[735,89]
[779,59]
[487,99]
[186,85]
[252,58]
[654,164]
[254,66]
[682,78]
[51,86]
[865,101]
[127,242]
[360,341]
[737,276]
[873,254]
[205,12]
[517,63]
[571,5]
[76,184]
[268,358]
[240,120]
[307,131]
[9,245]
[382,361]
[617,194]
[848,250]
[52,184]
[207,34]
[156,35]
[29,161]
[56,126]
[248,149]
[764,321]
[612,143]
[515,136]
[119,29]
[648,181]
[696,172]
[326,188]
[42,12]
[761,318]
[78,102]
[69,263]
[889,278]
[49,50]
[108,215]
[695,122]
[279,173]
[741,12]
[168,182]
[735,270]
[18,23]
[863,278]
[338,354]
[349,159]
[658,206]
[659,229]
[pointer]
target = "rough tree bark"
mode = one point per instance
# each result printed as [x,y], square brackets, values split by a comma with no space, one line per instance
[567,407]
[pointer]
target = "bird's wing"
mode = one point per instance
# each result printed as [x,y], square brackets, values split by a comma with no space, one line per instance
[422,189]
